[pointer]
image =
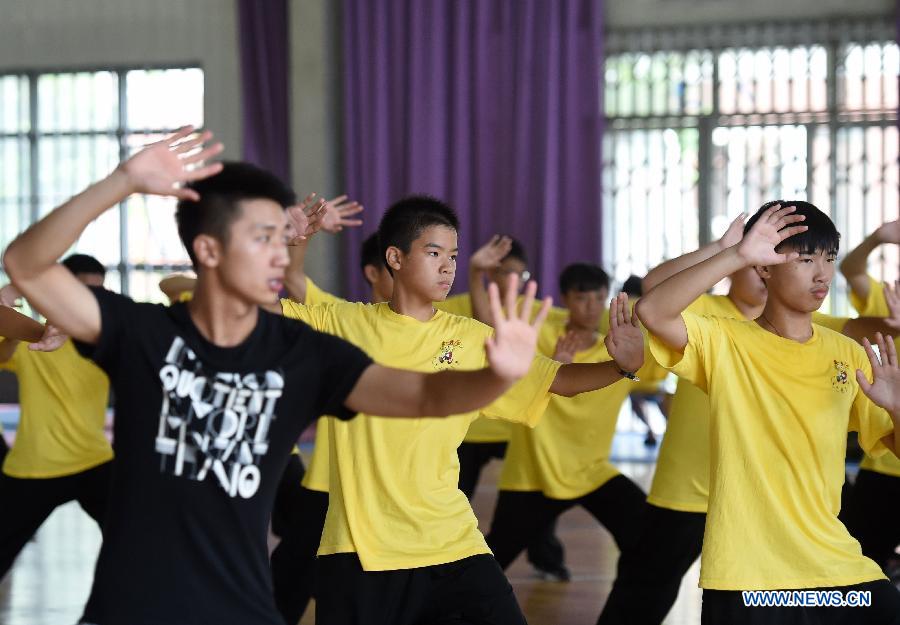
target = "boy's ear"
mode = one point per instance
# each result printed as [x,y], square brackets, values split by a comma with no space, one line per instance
[371,274]
[207,250]
[763,271]
[394,257]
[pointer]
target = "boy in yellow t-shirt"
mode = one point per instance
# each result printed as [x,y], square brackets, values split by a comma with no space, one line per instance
[782,395]
[873,508]
[61,452]
[401,543]
[564,460]
[294,558]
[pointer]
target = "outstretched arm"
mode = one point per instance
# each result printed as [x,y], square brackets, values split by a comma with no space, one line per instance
[884,390]
[855,264]
[669,268]
[396,392]
[31,260]
[660,309]
[624,342]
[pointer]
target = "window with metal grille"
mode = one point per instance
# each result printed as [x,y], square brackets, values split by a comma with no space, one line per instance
[704,123]
[61,131]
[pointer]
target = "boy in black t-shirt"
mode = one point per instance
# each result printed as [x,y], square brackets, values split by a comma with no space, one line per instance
[211,395]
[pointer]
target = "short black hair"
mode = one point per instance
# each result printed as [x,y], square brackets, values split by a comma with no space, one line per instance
[821,234]
[633,286]
[583,277]
[517,250]
[370,253]
[220,197]
[82,263]
[405,221]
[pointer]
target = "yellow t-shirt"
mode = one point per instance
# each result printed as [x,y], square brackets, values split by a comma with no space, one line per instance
[316,476]
[779,416]
[567,454]
[486,430]
[63,400]
[681,480]
[876,306]
[393,487]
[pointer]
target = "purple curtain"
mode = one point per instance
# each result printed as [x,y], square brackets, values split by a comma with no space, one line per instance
[491,105]
[263,34]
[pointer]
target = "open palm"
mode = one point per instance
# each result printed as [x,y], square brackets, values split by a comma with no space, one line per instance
[773,226]
[511,349]
[884,390]
[624,341]
[162,167]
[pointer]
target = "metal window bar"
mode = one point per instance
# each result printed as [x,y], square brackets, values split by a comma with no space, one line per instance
[72,141]
[814,105]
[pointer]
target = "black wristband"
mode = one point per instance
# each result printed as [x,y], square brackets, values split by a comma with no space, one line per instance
[627,374]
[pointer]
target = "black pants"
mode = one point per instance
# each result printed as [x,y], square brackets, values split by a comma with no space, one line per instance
[872,515]
[727,606]
[298,518]
[520,516]
[650,571]
[545,551]
[472,591]
[26,504]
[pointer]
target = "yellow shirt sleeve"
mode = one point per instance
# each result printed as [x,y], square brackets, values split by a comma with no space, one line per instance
[456,305]
[690,365]
[316,296]
[874,305]
[527,400]
[832,323]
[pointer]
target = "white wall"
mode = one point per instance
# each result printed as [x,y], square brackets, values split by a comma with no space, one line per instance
[61,34]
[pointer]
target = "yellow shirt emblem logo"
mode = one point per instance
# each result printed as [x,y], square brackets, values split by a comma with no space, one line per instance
[841,380]
[446,356]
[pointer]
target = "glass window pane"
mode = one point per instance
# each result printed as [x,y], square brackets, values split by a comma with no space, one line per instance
[14,115]
[15,189]
[79,101]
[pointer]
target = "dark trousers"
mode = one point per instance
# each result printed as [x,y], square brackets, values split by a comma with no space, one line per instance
[545,550]
[727,606]
[26,504]
[872,515]
[298,518]
[649,572]
[521,515]
[472,591]
[3,449]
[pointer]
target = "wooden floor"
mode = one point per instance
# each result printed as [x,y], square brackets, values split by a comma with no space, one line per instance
[51,578]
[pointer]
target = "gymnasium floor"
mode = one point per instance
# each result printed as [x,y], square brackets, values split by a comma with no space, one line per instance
[51,579]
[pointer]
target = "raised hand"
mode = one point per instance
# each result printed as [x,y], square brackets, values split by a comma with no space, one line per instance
[892,299]
[511,349]
[624,341]
[338,212]
[885,389]
[773,226]
[491,253]
[566,348]
[52,340]
[305,219]
[735,232]
[162,167]
[889,232]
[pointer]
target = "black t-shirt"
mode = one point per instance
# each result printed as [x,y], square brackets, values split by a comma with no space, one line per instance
[202,436]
